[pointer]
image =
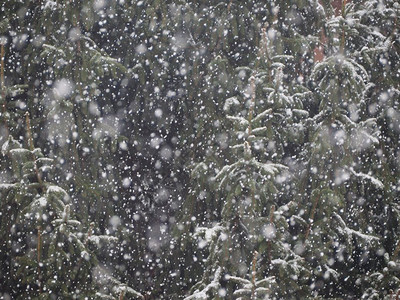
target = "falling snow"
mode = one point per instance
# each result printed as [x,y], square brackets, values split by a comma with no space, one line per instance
[199,149]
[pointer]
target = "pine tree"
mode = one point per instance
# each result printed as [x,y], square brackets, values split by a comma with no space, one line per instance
[45,251]
[334,138]
[341,243]
[248,189]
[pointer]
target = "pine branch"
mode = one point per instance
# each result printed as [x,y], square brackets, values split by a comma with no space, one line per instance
[312,215]
[343,39]
[2,54]
[32,147]
[3,88]
[396,251]
[29,131]
[271,221]
[229,6]
[39,246]
[80,261]
[252,104]
[253,273]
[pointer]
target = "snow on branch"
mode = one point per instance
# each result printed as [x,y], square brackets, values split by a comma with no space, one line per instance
[238,120]
[351,232]
[214,285]
[208,233]
[262,115]
[230,102]
[378,184]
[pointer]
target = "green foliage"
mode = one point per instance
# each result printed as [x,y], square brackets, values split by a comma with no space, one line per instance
[47,251]
[325,121]
[280,125]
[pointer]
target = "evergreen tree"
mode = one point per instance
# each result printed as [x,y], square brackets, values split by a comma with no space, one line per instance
[343,183]
[45,252]
[250,220]
[335,141]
